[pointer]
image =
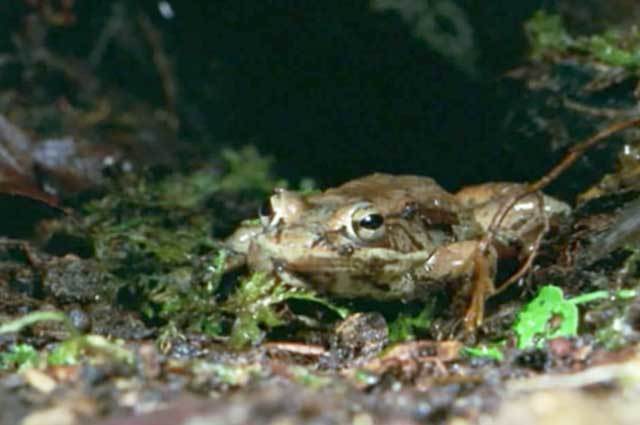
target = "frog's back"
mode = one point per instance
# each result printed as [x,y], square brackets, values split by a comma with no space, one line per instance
[392,193]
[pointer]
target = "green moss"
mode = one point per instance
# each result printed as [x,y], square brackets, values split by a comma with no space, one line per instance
[140,222]
[257,306]
[254,305]
[614,48]
[19,357]
[546,33]
[154,241]
[248,170]
[407,326]
[162,224]
[153,238]
[550,39]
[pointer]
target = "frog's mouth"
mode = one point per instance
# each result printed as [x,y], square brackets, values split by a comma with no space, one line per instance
[380,273]
[380,264]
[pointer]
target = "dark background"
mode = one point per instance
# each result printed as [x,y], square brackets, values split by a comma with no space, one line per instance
[330,89]
[334,91]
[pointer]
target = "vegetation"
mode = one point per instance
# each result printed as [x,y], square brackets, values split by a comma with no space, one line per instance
[616,47]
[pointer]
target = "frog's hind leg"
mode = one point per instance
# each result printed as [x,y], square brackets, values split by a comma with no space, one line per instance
[472,269]
[481,286]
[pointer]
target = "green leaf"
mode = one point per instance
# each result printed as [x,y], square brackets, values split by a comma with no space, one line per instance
[66,353]
[548,37]
[38,316]
[19,356]
[549,315]
[491,351]
[248,169]
[622,294]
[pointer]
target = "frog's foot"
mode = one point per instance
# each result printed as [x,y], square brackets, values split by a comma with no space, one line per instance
[472,267]
[481,288]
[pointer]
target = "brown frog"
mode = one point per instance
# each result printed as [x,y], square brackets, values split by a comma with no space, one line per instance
[393,237]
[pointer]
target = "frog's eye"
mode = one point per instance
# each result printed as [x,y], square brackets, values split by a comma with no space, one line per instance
[367,224]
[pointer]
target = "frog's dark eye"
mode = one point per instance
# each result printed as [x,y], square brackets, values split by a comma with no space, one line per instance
[367,224]
[372,221]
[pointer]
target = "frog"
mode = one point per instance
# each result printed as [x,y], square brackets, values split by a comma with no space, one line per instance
[395,237]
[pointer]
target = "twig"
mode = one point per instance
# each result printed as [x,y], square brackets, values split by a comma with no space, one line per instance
[296,348]
[576,151]
[162,62]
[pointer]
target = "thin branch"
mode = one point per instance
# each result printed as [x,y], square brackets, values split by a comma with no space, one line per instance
[162,62]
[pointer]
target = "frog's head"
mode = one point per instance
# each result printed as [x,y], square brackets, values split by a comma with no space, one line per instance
[349,243]
[309,234]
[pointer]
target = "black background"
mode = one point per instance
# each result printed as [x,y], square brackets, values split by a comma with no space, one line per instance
[330,89]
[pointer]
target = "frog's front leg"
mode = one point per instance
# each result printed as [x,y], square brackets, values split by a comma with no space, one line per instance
[470,267]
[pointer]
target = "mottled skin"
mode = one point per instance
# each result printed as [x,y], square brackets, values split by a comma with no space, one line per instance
[392,237]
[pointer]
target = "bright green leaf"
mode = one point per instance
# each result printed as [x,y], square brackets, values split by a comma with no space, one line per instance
[549,315]
[19,356]
[601,295]
[491,351]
